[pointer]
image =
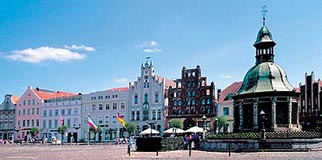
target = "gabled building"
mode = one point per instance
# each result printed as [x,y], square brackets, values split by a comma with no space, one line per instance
[103,107]
[7,117]
[310,106]
[190,99]
[148,99]
[62,109]
[225,103]
[28,110]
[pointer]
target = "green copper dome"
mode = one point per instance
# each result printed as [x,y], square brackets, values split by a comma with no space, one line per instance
[264,36]
[265,77]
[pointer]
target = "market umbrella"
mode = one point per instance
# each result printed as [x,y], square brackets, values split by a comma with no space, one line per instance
[195,129]
[174,130]
[148,131]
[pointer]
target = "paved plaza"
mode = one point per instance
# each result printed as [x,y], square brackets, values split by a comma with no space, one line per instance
[89,152]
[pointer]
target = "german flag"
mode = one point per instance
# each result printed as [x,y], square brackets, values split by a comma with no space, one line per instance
[121,120]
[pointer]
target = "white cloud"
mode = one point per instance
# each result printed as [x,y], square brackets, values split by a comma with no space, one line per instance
[81,47]
[121,80]
[148,50]
[45,53]
[226,76]
[149,47]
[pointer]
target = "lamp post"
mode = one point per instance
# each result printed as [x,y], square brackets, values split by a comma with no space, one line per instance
[216,124]
[76,128]
[262,130]
[203,126]
[321,124]
[151,124]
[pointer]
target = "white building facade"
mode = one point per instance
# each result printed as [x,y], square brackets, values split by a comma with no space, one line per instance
[67,108]
[103,107]
[148,99]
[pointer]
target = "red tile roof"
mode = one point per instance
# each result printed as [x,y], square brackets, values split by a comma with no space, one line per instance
[48,95]
[297,89]
[119,89]
[231,89]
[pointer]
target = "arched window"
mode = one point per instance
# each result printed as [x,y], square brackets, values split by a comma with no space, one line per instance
[188,93]
[156,97]
[193,93]
[208,101]
[189,84]
[135,99]
[188,102]
[146,97]
[179,102]
[174,103]
[193,102]
[208,110]
[179,84]
[208,92]
[203,101]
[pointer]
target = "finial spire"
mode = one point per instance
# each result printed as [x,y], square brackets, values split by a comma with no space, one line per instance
[264,10]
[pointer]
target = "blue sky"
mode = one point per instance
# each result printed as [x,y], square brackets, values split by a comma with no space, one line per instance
[85,46]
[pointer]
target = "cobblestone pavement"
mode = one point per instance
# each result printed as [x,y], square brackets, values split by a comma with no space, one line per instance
[89,152]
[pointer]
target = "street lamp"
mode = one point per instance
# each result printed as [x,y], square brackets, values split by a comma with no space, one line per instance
[203,125]
[216,124]
[151,124]
[76,128]
[262,130]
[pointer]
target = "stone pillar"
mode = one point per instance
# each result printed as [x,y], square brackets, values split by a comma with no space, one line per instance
[290,113]
[274,126]
[255,114]
[240,115]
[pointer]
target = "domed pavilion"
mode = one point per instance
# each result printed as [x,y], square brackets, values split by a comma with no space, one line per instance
[265,88]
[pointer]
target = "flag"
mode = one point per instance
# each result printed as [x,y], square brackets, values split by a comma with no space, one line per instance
[91,123]
[61,120]
[120,119]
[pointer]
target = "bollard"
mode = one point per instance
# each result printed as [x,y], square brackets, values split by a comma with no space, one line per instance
[129,149]
[190,149]
[229,149]
[157,153]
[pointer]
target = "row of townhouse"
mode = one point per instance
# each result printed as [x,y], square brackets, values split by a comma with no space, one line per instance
[144,102]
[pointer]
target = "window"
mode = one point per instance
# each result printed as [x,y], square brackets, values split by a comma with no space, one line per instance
[69,111]
[68,122]
[114,119]
[153,115]
[132,115]
[107,106]
[37,111]
[44,124]
[32,123]
[19,112]
[193,102]
[28,123]
[179,103]
[107,119]
[122,105]
[100,107]
[226,111]
[28,113]
[189,84]
[114,106]
[145,115]
[45,113]
[28,101]
[159,114]
[33,101]
[208,101]
[136,99]
[93,107]
[56,123]
[23,111]
[146,97]
[63,112]
[208,92]
[188,102]
[37,122]
[75,110]
[50,125]
[193,93]
[188,93]
[24,102]
[175,103]
[50,113]
[203,101]
[56,112]
[137,115]
[156,98]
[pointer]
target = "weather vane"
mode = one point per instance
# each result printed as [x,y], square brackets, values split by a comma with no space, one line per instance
[264,10]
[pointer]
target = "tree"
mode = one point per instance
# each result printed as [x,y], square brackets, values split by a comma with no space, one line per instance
[176,123]
[62,130]
[34,131]
[99,130]
[131,127]
[221,122]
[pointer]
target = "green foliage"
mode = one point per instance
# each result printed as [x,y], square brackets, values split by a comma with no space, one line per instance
[99,129]
[221,122]
[176,123]
[131,127]
[62,129]
[34,131]
[241,135]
